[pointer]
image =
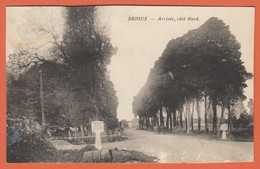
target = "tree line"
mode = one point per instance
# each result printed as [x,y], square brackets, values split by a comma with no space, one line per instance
[204,65]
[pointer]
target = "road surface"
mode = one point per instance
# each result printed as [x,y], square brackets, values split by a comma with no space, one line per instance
[179,148]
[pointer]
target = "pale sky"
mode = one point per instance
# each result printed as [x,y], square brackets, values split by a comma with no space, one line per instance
[141,43]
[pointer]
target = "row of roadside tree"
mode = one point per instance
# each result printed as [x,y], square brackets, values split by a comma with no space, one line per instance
[201,68]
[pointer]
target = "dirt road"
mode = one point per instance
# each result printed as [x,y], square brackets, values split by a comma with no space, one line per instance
[177,148]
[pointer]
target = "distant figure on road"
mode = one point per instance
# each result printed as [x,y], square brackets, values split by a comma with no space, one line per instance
[121,126]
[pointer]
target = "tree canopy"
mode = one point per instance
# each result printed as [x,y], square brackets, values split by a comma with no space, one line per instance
[76,85]
[204,62]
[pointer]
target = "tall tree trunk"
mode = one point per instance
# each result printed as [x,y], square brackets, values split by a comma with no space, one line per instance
[188,115]
[157,124]
[229,119]
[174,118]
[140,121]
[198,112]
[149,122]
[185,116]
[170,120]
[206,115]
[186,125]
[167,118]
[152,123]
[177,118]
[222,114]
[192,116]
[42,101]
[161,118]
[184,113]
[181,111]
[144,119]
[146,122]
[148,119]
[143,122]
[223,106]
[214,109]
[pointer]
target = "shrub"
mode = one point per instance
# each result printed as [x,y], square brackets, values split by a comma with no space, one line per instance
[30,148]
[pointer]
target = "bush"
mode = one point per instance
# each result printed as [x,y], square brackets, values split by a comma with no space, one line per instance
[243,121]
[26,142]
[30,148]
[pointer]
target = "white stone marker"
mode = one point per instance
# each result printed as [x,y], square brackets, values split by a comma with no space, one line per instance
[97,127]
[224,128]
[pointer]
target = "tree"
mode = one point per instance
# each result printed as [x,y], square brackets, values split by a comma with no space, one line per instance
[205,62]
[250,105]
[76,86]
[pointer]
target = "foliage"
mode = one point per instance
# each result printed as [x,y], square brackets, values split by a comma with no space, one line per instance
[244,121]
[32,147]
[76,86]
[204,62]
[250,105]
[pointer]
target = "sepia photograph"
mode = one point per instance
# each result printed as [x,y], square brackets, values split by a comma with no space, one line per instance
[129,84]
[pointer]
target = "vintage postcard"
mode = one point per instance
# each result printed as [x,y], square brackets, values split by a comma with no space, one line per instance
[103,83]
